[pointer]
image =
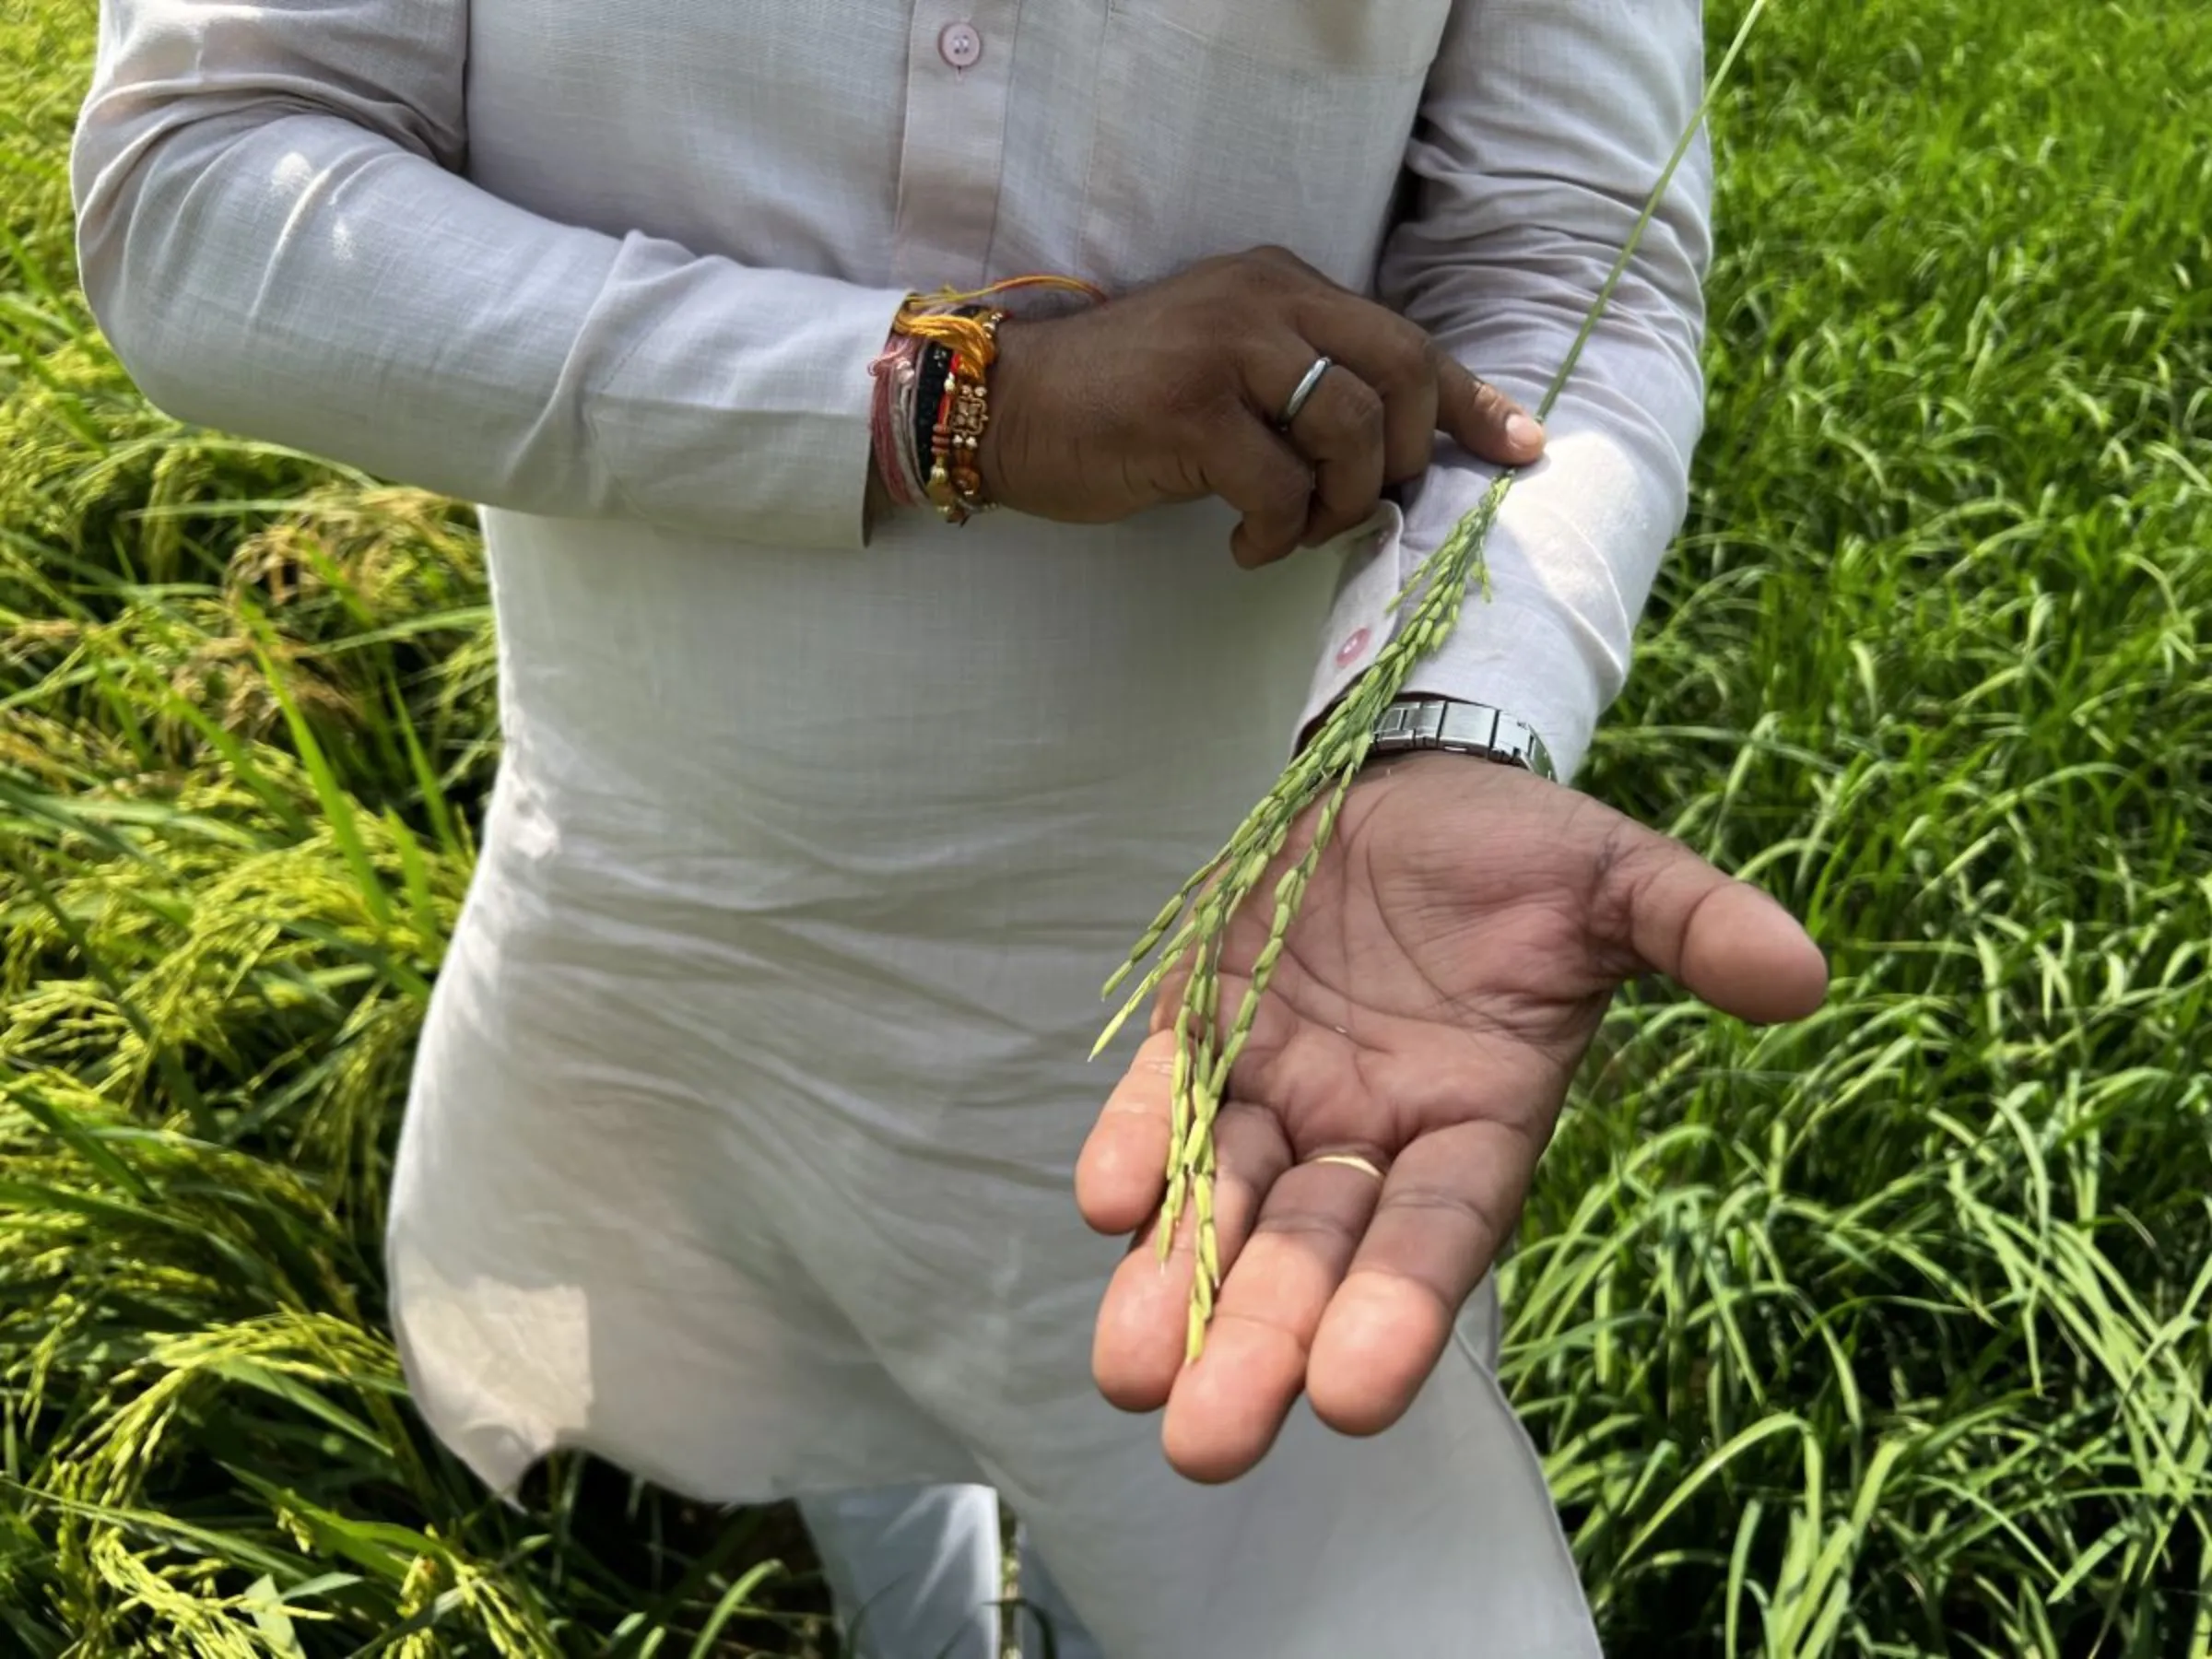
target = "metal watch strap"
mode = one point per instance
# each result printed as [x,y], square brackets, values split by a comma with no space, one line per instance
[1461,728]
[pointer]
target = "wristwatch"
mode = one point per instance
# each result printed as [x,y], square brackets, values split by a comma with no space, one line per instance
[1461,728]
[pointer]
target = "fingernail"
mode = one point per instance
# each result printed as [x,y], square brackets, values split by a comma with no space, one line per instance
[1523,433]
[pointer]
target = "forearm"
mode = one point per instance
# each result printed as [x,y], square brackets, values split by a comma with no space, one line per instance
[1577,543]
[1549,122]
[321,277]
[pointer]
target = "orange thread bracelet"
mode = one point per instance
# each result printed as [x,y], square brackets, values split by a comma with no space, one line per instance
[968,329]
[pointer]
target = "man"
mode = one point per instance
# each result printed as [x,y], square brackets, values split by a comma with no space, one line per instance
[741,1133]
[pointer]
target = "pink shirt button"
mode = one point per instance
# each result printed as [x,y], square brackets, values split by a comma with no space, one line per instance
[960,45]
[1354,643]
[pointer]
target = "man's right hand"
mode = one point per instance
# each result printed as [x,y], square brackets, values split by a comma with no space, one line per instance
[1173,394]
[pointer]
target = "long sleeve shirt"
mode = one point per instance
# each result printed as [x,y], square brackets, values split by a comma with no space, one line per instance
[630,261]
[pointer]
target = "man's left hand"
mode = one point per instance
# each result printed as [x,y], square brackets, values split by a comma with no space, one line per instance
[1462,936]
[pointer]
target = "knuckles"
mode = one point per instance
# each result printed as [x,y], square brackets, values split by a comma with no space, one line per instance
[1406,469]
[1356,410]
[1408,359]
[1276,261]
[1270,272]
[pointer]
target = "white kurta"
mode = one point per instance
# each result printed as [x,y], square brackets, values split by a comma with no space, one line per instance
[740,1143]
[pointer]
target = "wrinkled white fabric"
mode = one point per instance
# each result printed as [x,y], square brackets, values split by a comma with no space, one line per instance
[917,1570]
[740,1138]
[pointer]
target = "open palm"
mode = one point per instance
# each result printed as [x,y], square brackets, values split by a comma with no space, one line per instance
[1455,952]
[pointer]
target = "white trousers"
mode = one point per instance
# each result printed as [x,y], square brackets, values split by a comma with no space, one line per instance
[916,1573]
[750,1098]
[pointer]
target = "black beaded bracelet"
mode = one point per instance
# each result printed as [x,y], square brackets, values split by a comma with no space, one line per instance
[929,391]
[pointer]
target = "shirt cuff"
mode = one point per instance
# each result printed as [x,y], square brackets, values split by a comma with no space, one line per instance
[1515,651]
[714,417]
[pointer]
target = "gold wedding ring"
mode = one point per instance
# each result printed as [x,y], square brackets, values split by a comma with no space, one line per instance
[1350,1160]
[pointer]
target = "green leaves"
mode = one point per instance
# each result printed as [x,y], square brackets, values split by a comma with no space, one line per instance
[245,718]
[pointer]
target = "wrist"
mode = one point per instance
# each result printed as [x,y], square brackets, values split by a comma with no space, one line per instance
[1420,723]
[997,451]
[1456,728]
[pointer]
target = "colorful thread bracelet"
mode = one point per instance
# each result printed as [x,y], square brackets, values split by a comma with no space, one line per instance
[951,395]
[897,374]
[955,484]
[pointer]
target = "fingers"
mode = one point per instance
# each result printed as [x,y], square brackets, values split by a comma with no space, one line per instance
[1663,909]
[1451,1200]
[1143,1323]
[1286,1237]
[1396,361]
[1256,471]
[1225,1411]
[1121,1174]
[1179,390]
[1484,420]
[1342,431]
[1424,389]
[1374,417]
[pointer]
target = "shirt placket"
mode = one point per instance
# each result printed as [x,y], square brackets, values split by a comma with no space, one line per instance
[952,154]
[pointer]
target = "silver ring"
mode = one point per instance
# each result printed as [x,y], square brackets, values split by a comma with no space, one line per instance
[1322,365]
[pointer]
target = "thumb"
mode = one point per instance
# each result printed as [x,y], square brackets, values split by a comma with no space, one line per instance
[1482,420]
[1667,911]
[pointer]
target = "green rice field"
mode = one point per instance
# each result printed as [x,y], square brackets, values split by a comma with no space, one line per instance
[1882,1335]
